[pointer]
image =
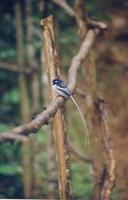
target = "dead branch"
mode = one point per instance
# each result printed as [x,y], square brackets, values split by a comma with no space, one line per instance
[53,71]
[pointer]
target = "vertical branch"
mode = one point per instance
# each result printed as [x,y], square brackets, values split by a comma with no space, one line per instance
[24,103]
[31,58]
[35,97]
[109,181]
[91,93]
[51,154]
[52,64]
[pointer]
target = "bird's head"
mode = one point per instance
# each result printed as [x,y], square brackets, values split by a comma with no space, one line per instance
[57,82]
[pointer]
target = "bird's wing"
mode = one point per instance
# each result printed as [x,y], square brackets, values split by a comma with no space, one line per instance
[63,89]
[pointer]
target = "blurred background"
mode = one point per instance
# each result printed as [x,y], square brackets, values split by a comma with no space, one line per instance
[29,169]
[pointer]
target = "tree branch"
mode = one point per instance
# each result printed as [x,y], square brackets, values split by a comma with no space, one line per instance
[80,57]
[58,125]
[53,106]
[91,23]
[109,181]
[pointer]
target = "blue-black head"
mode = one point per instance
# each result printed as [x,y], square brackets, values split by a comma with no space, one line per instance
[57,82]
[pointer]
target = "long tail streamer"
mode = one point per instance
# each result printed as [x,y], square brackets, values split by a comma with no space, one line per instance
[86,132]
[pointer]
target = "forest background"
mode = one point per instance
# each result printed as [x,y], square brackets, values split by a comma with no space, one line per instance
[28,170]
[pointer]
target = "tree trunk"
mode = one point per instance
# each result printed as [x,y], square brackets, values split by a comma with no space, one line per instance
[24,99]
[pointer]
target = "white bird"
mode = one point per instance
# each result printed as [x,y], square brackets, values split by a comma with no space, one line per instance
[62,90]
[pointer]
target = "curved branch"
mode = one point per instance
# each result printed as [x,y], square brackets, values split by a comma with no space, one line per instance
[35,124]
[78,59]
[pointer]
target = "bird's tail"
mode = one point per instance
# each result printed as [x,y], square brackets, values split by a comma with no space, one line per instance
[86,132]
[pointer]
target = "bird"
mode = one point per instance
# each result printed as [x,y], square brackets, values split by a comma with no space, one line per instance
[62,90]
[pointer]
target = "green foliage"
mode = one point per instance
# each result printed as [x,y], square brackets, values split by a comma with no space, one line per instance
[10,170]
[95,9]
[42,137]
[10,152]
[82,182]
[68,39]
[3,127]
[11,187]
[116,193]
[12,96]
[7,37]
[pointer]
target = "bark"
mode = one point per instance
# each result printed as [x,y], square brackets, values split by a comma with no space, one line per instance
[53,71]
[104,189]
[109,181]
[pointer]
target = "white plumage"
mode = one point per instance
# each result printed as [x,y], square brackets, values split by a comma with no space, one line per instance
[62,90]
